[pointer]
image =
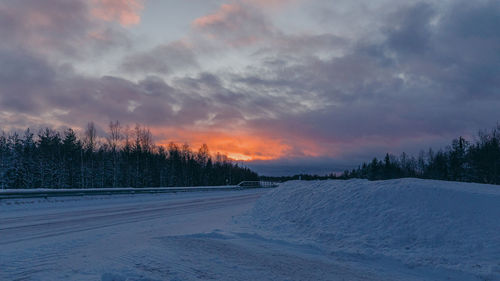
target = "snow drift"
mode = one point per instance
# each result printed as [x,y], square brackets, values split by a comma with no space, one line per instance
[419,222]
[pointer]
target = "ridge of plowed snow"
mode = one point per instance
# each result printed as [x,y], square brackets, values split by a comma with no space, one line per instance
[419,222]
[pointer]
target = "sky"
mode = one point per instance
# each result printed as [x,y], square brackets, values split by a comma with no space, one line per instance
[284,86]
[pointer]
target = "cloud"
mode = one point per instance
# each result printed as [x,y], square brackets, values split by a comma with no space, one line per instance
[126,12]
[162,59]
[381,96]
[54,24]
[413,29]
[270,4]
[243,24]
[235,25]
[428,72]
[25,80]
[56,28]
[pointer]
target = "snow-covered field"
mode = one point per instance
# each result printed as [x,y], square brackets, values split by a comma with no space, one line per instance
[327,230]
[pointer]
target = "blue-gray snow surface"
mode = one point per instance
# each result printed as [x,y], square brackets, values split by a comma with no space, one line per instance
[404,229]
[424,224]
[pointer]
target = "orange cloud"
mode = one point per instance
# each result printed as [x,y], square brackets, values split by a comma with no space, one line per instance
[126,12]
[235,25]
[227,10]
[220,16]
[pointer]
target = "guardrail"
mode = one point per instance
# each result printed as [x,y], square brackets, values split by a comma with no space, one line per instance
[257,184]
[111,191]
[37,193]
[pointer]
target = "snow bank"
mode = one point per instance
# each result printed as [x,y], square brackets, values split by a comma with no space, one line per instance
[419,222]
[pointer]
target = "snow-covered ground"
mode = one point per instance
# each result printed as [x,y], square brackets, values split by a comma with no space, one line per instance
[327,230]
[440,229]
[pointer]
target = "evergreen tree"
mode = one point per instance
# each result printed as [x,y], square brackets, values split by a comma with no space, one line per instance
[126,159]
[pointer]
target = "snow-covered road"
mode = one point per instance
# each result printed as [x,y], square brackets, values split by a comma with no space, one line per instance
[19,228]
[89,238]
[149,237]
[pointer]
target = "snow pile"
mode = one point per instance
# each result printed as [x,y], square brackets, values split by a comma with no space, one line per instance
[419,222]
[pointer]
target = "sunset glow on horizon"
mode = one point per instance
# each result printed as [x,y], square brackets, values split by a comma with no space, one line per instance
[238,148]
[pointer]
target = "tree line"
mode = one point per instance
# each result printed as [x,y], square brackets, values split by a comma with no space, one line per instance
[462,160]
[466,161]
[124,158]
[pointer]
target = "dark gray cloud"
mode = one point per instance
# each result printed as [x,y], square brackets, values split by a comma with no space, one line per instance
[57,28]
[51,24]
[162,59]
[19,74]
